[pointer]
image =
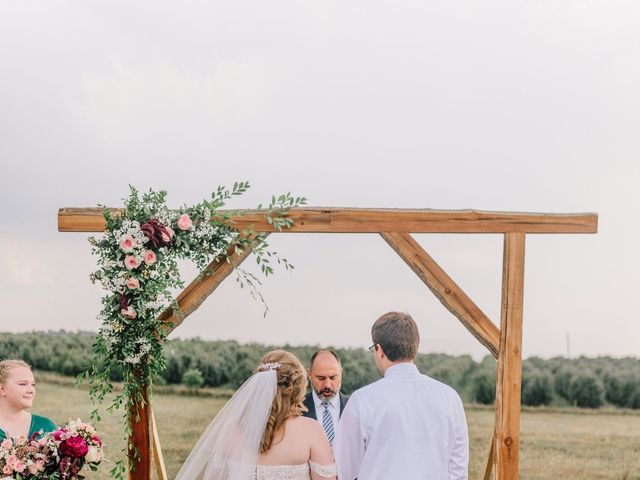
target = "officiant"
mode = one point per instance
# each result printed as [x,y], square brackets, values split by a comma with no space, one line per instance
[325,402]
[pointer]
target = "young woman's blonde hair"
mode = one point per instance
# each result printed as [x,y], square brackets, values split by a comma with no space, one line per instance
[7,365]
[292,387]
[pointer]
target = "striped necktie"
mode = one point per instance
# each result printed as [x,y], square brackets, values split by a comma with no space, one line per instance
[327,422]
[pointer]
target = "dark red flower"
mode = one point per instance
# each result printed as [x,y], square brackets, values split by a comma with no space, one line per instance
[154,231]
[74,447]
[124,304]
[57,434]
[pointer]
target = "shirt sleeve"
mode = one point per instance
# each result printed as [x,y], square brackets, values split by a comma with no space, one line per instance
[350,441]
[459,460]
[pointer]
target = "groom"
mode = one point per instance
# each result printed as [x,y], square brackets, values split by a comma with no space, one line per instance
[325,402]
[406,425]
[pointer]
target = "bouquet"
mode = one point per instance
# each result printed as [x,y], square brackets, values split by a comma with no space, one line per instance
[23,459]
[59,455]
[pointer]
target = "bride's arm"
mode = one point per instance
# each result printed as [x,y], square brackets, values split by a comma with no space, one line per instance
[321,460]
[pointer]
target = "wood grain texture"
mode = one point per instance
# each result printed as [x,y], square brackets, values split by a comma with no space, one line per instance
[509,377]
[367,220]
[156,449]
[445,289]
[202,286]
[140,468]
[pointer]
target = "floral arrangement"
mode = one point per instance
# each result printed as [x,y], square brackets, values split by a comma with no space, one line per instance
[137,260]
[59,455]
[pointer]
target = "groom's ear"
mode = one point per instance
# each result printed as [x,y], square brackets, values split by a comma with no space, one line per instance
[309,372]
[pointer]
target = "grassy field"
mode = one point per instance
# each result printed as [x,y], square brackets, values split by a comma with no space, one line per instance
[567,444]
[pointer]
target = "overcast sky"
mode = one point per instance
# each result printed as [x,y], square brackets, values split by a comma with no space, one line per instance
[492,105]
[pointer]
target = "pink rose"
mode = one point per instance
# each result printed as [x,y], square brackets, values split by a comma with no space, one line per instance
[19,466]
[150,257]
[74,447]
[133,283]
[127,243]
[33,468]
[131,262]
[184,222]
[7,470]
[57,435]
[11,460]
[129,312]
[167,235]
[6,444]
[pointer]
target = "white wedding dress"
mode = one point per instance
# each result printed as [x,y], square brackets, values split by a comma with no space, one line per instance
[294,472]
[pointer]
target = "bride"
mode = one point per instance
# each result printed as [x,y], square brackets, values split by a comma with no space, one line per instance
[260,434]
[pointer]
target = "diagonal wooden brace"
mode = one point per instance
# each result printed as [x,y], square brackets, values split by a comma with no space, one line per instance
[445,289]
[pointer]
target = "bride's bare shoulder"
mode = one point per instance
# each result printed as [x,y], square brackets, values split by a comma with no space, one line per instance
[304,423]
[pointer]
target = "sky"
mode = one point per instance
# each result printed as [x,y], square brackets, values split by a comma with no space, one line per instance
[493,105]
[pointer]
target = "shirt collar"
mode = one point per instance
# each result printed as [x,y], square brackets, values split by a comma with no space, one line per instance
[334,402]
[401,369]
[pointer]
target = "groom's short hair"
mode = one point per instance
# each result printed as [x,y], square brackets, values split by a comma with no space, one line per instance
[397,334]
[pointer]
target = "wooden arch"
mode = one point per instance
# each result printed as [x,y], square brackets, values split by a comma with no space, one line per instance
[396,226]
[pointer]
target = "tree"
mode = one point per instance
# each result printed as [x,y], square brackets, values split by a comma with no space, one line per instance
[193,378]
[586,390]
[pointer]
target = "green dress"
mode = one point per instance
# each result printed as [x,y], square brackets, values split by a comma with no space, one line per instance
[38,423]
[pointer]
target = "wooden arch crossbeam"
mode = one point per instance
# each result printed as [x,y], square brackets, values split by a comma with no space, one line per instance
[395,226]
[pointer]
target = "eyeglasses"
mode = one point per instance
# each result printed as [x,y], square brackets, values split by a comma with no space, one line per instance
[372,348]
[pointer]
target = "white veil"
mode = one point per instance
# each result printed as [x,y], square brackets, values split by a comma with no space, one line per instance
[229,447]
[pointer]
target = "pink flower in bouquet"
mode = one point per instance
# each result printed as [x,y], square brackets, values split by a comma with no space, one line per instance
[126,244]
[184,222]
[131,262]
[129,312]
[19,466]
[133,283]
[150,257]
[6,444]
[33,468]
[74,447]
[96,439]
[12,460]
[40,465]
[58,434]
[167,235]
[7,469]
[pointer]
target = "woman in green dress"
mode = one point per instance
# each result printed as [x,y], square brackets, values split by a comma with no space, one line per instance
[17,392]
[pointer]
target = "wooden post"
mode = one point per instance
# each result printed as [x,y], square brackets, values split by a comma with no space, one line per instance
[158,458]
[140,468]
[509,379]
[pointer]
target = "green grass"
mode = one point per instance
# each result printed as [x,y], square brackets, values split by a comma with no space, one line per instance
[571,444]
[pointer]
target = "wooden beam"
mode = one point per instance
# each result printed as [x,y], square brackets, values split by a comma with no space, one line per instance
[445,289]
[200,288]
[140,467]
[509,378]
[158,458]
[490,459]
[366,220]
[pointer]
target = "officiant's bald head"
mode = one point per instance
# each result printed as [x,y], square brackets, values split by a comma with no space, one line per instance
[325,372]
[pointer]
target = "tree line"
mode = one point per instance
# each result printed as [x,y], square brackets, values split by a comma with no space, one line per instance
[581,382]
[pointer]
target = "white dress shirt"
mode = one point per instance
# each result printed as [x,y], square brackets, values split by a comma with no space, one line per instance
[404,426]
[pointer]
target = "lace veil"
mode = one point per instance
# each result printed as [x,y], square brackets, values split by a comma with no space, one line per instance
[229,447]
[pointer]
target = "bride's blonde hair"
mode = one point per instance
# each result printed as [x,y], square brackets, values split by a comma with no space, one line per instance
[292,387]
[7,365]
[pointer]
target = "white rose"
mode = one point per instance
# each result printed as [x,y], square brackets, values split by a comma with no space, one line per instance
[93,455]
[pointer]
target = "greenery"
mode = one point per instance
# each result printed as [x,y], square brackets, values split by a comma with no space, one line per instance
[582,382]
[137,265]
